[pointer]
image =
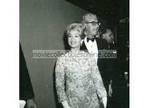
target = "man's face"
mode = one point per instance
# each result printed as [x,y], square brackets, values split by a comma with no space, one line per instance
[92,28]
[108,36]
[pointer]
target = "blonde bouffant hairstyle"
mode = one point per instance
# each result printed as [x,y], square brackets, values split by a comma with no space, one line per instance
[76,26]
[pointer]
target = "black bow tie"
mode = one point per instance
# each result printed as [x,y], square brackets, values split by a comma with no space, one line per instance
[92,39]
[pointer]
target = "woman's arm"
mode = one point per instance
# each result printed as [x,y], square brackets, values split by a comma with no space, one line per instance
[101,91]
[60,80]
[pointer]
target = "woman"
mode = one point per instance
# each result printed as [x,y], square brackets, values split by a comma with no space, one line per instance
[78,81]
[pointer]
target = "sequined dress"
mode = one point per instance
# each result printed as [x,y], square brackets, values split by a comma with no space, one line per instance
[78,80]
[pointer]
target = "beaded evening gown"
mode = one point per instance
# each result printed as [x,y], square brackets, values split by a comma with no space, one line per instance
[78,80]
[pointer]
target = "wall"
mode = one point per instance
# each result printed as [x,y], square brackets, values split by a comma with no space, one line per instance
[42,23]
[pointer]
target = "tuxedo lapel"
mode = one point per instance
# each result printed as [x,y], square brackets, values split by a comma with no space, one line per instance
[98,43]
[101,43]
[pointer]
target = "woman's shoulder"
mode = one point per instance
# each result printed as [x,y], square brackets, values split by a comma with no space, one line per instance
[90,57]
[86,54]
[63,56]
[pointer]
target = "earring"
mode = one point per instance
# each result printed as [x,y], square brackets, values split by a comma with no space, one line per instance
[81,42]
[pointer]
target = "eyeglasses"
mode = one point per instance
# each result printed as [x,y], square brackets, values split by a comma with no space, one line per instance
[93,23]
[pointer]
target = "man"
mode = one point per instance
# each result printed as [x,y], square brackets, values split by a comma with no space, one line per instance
[26,90]
[92,35]
[92,41]
[109,37]
[112,70]
[109,70]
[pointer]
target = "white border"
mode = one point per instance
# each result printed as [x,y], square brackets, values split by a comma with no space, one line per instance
[136,54]
[9,55]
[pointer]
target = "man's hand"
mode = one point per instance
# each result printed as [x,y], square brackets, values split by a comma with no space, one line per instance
[110,91]
[31,103]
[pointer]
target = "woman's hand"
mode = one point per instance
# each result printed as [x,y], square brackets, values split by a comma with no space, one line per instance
[65,104]
[110,90]
[104,101]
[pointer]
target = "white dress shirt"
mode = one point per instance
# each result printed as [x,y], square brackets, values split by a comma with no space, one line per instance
[91,47]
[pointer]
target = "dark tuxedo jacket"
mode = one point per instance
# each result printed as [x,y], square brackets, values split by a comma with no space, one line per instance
[101,44]
[102,64]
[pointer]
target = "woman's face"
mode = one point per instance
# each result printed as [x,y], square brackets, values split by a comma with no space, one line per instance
[74,39]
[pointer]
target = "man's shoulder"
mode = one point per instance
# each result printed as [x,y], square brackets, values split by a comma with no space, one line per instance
[100,39]
[101,43]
